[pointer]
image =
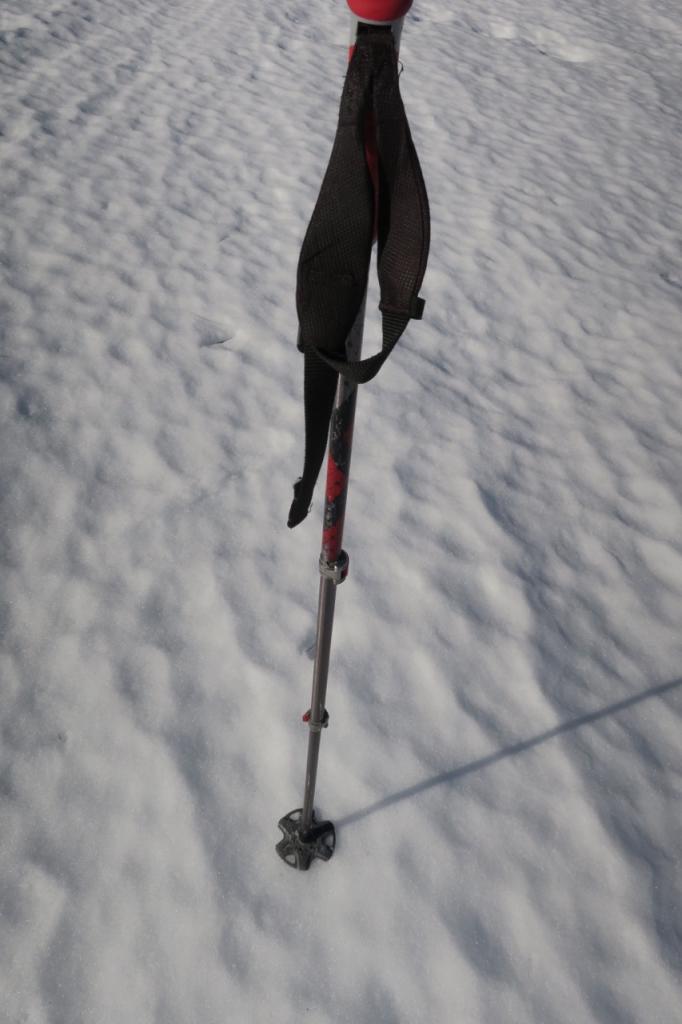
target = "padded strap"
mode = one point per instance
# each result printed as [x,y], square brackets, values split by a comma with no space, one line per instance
[334,262]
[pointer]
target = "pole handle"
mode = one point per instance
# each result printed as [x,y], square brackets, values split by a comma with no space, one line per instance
[379,11]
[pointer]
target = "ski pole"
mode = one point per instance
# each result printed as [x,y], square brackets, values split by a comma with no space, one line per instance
[304,838]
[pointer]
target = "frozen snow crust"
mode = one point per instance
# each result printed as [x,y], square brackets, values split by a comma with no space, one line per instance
[504,757]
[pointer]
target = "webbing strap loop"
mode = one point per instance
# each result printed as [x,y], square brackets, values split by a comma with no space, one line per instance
[335,256]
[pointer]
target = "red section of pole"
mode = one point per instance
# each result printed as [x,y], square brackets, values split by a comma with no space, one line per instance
[338,458]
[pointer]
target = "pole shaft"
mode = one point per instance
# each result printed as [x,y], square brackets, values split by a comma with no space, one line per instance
[336,493]
[340,450]
[325,623]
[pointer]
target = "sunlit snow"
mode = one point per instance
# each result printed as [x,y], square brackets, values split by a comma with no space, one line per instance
[504,762]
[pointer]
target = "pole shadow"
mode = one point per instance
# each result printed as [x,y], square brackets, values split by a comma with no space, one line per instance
[516,748]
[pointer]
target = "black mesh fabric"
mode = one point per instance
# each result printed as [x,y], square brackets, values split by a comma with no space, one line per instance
[335,256]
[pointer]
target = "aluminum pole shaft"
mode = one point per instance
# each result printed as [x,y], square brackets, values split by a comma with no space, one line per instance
[331,555]
[325,622]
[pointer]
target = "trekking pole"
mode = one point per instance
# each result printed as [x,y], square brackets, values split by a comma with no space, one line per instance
[306,839]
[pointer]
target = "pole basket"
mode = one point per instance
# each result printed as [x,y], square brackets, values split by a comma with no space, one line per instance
[300,847]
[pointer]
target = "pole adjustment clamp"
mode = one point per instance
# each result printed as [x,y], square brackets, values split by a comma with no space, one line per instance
[316,727]
[335,571]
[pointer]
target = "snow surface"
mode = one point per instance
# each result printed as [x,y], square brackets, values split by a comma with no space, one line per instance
[505,758]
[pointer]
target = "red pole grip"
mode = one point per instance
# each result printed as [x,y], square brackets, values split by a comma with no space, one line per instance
[379,10]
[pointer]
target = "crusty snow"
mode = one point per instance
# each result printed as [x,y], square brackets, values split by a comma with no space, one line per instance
[504,762]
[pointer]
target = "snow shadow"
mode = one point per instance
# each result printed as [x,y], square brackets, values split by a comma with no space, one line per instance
[516,748]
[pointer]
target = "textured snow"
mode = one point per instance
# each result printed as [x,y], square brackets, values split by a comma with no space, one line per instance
[504,763]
